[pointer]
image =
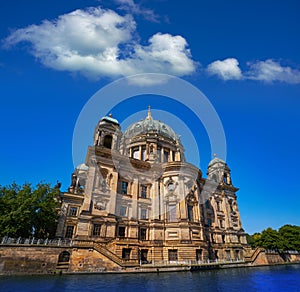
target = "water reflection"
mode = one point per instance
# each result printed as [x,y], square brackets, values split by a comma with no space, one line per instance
[277,278]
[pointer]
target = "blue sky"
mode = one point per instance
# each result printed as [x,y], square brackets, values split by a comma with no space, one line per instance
[243,55]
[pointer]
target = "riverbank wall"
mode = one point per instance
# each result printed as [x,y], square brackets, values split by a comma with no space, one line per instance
[57,257]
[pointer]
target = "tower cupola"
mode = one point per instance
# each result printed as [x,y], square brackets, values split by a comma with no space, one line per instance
[107,133]
[219,171]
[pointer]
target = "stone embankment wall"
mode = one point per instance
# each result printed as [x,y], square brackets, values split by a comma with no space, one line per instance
[22,259]
[42,259]
[89,260]
[28,259]
[265,257]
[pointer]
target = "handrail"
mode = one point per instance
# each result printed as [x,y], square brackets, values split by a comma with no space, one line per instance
[106,252]
[193,262]
[35,241]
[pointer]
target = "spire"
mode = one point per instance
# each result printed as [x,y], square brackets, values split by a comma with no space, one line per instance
[149,117]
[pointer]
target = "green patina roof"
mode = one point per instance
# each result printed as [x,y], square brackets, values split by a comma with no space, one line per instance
[150,126]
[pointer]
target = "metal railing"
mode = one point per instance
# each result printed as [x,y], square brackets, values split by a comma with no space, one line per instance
[192,262]
[282,251]
[35,241]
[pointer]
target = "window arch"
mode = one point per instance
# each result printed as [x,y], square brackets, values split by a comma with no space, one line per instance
[190,211]
[107,142]
[64,257]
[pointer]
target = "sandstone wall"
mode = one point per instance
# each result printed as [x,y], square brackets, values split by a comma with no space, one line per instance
[16,259]
[28,259]
[39,259]
[89,260]
[272,258]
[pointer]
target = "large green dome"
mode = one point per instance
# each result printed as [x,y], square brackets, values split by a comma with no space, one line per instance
[150,126]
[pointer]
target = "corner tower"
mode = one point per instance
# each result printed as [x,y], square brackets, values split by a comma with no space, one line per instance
[107,133]
[225,233]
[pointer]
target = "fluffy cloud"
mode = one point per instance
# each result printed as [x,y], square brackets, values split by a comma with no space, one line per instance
[270,71]
[226,69]
[266,71]
[166,53]
[131,7]
[101,43]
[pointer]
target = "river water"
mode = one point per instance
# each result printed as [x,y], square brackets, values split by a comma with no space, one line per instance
[275,278]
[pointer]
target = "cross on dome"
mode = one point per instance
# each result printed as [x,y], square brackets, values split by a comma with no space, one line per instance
[149,117]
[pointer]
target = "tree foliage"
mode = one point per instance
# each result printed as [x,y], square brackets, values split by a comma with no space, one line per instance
[286,238]
[28,211]
[291,237]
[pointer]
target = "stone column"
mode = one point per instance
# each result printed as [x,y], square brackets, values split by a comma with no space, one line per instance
[101,138]
[155,200]
[134,193]
[89,188]
[177,156]
[113,194]
[140,152]
[181,194]
[130,152]
[114,142]
[227,212]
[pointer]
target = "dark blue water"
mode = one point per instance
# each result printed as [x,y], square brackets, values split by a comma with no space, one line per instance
[278,278]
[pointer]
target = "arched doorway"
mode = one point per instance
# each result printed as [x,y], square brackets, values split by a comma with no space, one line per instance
[63,262]
[64,257]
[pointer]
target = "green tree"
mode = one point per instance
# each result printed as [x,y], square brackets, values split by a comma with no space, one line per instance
[286,238]
[256,240]
[250,240]
[290,235]
[26,211]
[270,239]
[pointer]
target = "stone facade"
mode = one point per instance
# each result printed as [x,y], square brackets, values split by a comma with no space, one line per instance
[137,197]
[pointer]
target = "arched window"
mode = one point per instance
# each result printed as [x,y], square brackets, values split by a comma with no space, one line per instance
[64,257]
[107,141]
[171,187]
[136,153]
[172,216]
[190,213]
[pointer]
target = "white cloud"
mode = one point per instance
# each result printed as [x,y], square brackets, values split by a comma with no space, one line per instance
[227,69]
[267,71]
[148,79]
[134,8]
[270,71]
[166,53]
[101,43]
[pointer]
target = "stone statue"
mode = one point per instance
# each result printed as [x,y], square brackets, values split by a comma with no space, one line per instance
[58,185]
[74,180]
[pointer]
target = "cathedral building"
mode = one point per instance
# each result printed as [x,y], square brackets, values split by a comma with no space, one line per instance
[138,198]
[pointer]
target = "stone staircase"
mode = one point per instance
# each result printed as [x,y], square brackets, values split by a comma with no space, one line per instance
[252,255]
[62,267]
[102,249]
[113,257]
